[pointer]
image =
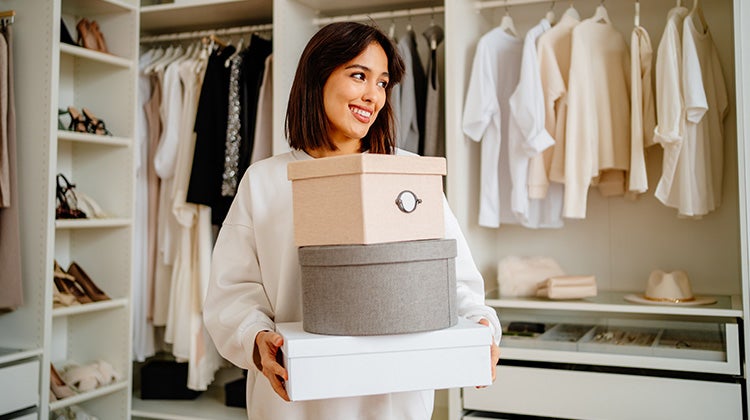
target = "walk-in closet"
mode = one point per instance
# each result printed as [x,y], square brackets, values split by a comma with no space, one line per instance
[106,236]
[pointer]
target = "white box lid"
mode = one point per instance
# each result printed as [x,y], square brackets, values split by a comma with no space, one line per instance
[299,343]
[365,163]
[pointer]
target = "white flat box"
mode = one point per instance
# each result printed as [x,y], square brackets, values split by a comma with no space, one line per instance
[323,366]
[367,199]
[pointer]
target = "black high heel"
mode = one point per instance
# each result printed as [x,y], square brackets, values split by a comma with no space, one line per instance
[94,125]
[67,203]
[77,121]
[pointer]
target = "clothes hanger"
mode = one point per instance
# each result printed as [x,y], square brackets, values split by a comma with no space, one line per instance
[155,65]
[550,16]
[228,61]
[434,36]
[601,15]
[177,53]
[506,23]
[637,13]
[697,10]
[572,12]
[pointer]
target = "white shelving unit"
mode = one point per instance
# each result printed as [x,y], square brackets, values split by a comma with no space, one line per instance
[619,242]
[51,75]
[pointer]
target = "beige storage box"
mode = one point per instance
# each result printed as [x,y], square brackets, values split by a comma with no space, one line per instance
[367,199]
[326,366]
[392,288]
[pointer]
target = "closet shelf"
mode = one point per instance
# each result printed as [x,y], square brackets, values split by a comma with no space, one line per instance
[726,306]
[96,7]
[89,307]
[341,7]
[13,355]
[204,14]
[96,56]
[91,223]
[86,396]
[209,405]
[74,136]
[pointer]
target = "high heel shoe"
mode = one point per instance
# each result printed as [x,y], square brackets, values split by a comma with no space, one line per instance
[67,201]
[71,287]
[94,125]
[77,121]
[95,293]
[86,37]
[100,43]
[59,389]
[61,298]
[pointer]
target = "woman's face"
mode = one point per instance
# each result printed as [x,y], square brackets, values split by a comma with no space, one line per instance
[353,95]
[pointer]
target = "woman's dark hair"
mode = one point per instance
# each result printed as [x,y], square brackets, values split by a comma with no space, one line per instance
[335,44]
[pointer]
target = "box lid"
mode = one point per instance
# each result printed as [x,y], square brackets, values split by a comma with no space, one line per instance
[365,163]
[383,253]
[299,343]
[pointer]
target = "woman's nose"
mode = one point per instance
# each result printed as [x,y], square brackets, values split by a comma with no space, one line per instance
[371,92]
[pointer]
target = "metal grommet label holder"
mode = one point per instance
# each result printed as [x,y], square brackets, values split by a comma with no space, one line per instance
[407,201]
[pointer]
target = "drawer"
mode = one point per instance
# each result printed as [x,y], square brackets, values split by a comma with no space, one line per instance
[596,395]
[704,347]
[19,386]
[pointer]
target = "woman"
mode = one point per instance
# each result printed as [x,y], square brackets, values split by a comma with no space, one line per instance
[338,105]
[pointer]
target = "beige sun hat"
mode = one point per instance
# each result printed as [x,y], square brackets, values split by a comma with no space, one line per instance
[669,288]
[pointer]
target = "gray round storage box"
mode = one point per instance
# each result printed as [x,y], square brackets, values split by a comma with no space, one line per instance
[389,288]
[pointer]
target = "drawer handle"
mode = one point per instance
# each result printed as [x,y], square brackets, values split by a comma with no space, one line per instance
[407,201]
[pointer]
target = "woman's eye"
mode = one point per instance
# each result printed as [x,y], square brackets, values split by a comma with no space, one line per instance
[383,84]
[360,76]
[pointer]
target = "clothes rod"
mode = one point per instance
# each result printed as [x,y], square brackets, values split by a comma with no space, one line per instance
[380,15]
[200,34]
[506,3]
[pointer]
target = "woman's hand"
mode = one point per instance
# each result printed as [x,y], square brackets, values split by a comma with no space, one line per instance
[268,348]
[494,352]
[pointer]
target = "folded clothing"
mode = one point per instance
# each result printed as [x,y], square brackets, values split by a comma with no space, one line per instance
[567,287]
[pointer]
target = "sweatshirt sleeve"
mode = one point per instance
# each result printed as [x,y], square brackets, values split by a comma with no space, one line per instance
[236,306]
[469,282]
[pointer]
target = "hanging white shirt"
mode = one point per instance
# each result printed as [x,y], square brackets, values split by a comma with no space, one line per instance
[494,77]
[553,48]
[670,104]
[642,112]
[701,162]
[527,138]
[597,137]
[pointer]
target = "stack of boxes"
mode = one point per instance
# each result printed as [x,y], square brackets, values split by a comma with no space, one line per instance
[378,282]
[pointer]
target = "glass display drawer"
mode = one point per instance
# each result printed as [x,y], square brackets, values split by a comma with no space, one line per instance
[707,347]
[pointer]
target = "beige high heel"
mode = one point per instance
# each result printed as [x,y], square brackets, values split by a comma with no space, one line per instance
[59,389]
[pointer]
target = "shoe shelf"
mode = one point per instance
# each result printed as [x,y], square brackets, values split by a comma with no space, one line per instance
[89,307]
[97,7]
[8,355]
[95,56]
[92,223]
[73,136]
[90,395]
[614,302]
